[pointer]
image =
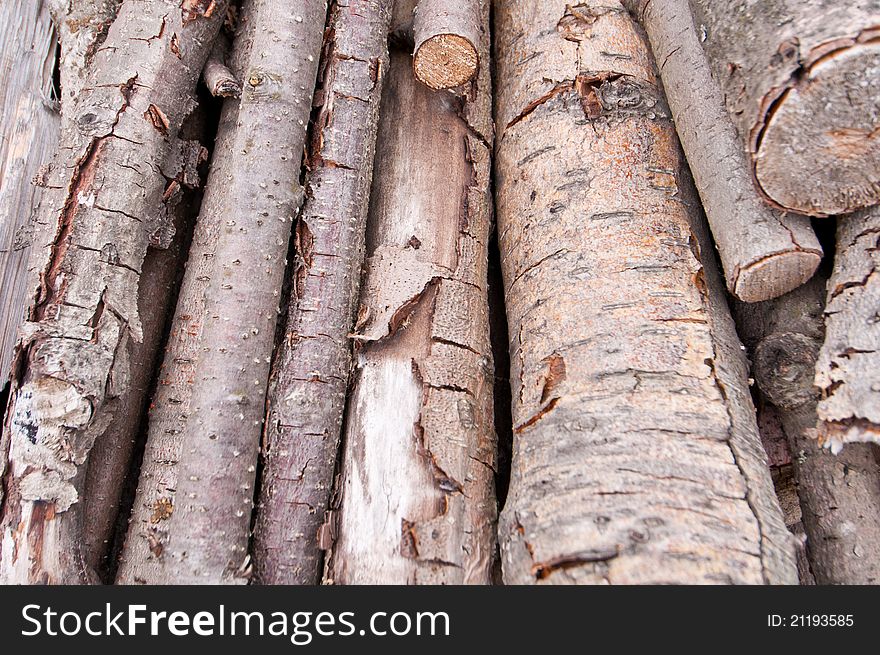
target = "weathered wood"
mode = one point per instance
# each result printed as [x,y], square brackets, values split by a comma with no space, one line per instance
[764,253]
[839,495]
[28,138]
[119,165]
[415,500]
[801,79]
[310,374]
[447,37]
[848,370]
[636,453]
[219,79]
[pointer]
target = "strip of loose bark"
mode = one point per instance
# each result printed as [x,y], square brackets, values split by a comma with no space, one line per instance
[839,495]
[310,375]
[218,78]
[848,370]
[72,364]
[636,453]
[764,253]
[802,82]
[447,37]
[415,500]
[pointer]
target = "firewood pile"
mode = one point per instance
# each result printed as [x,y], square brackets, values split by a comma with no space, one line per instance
[440,292]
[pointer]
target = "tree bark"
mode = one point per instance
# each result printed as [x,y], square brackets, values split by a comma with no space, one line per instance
[415,501]
[764,253]
[310,375]
[447,38]
[839,495]
[802,82]
[636,453]
[30,126]
[218,78]
[848,370]
[72,364]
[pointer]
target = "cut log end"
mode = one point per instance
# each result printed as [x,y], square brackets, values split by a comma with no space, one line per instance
[446,61]
[775,275]
[825,131]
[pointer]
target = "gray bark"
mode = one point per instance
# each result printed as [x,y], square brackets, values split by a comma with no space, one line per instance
[802,83]
[447,37]
[764,253]
[310,374]
[636,452]
[218,78]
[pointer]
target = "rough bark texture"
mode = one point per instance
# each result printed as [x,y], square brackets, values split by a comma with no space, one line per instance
[764,253]
[209,523]
[415,501]
[28,138]
[802,82]
[119,167]
[310,375]
[636,453]
[171,406]
[447,39]
[839,495]
[848,370]
[218,78]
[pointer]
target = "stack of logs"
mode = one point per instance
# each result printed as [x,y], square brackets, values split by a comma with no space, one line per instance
[265,342]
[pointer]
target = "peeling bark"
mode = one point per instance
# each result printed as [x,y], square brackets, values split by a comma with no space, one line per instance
[636,453]
[415,502]
[802,83]
[310,375]
[764,253]
[72,363]
[447,38]
[848,370]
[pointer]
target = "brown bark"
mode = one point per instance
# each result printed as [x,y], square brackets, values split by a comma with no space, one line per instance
[802,82]
[310,374]
[72,363]
[848,370]
[447,39]
[636,454]
[415,500]
[218,78]
[839,495]
[764,253]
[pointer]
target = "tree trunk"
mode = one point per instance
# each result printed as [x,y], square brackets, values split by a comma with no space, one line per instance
[848,370]
[72,365]
[311,371]
[839,495]
[802,82]
[764,253]
[29,135]
[447,37]
[415,502]
[636,454]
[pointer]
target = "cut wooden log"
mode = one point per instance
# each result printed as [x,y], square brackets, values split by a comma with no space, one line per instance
[636,453]
[764,253]
[72,365]
[28,137]
[219,79]
[848,370]
[209,522]
[802,82]
[839,495]
[310,374]
[415,500]
[447,38]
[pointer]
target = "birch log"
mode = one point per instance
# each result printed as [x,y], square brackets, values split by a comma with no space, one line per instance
[142,553]
[209,523]
[415,500]
[839,495]
[117,170]
[802,82]
[29,134]
[848,370]
[310,375]
[447,38]
[636,454]
[764,253]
